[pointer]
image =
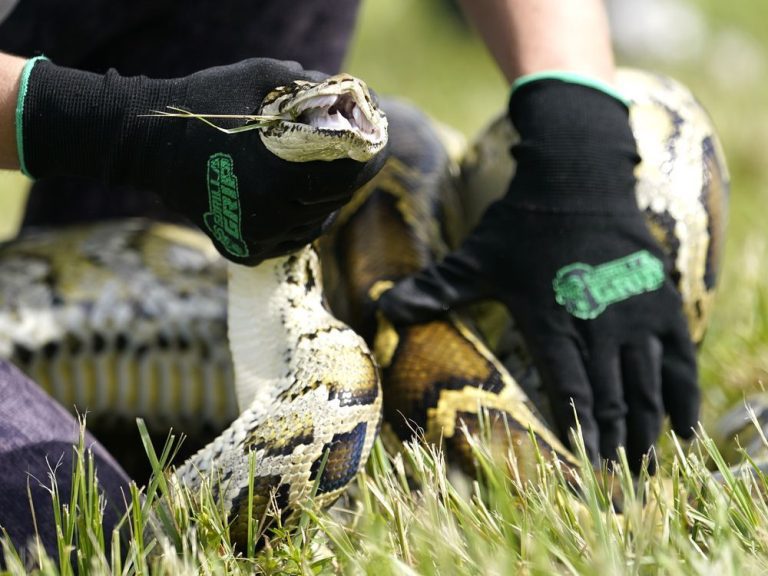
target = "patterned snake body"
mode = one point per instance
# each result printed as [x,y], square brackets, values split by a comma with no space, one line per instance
[313,398]
[129,317]
[682,182]
[437,377]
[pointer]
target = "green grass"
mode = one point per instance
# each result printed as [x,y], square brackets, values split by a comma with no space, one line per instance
[412,514]
[495,524]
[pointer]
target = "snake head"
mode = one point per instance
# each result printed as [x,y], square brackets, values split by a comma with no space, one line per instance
[330,120]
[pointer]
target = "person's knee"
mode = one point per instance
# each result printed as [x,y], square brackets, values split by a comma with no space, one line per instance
[37,448]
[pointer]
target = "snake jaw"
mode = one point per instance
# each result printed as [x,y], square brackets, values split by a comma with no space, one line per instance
[336,113]
[330,120]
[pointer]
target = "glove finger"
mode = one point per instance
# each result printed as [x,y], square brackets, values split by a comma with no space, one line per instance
[336,200]
[312,230]
[279,249]
[276,73]
[335,181]
[309,232]
[564,375]
[297,238]
[330,182]
[641,372]
[311,75]
[434,290]
[293,245]
[610,409]
[291,221]
[304,234]
[679,380]
[369,169]
[316,212]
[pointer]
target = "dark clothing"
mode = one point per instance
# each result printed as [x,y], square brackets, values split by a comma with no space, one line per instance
[169,38]
[163,39]
[36,438]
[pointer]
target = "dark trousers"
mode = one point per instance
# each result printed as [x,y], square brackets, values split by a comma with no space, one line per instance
[36,442]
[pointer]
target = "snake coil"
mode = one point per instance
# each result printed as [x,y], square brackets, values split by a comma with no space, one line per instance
[129,318]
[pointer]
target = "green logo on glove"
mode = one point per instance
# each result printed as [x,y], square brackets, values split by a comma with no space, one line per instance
[586,290]
[224,216]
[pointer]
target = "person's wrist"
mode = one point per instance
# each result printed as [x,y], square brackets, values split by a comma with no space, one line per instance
[78,123]
[576,150]
[571,77]
[11,68]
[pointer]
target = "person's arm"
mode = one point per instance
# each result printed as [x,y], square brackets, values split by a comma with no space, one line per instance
[252,204]
[530,36]
[10,74]
[614,349]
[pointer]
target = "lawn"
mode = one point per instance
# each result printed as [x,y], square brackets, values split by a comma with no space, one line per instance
[678,523]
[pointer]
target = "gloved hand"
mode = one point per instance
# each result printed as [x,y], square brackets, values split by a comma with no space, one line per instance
[567,250]
[252,204]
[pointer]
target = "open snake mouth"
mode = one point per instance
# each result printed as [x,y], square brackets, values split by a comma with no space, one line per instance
[335,113]
[333,119]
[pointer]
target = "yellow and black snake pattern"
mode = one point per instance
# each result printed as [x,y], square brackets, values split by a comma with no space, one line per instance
[129,318]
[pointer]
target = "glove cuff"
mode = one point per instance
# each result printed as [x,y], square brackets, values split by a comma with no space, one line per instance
[23,86]
[75,123]
[576,150]
[573,78]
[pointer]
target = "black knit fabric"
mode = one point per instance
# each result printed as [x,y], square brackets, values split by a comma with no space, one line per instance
[619,349]
[83,124]
[171,38]
[78,123]
[163,39]
[572,136]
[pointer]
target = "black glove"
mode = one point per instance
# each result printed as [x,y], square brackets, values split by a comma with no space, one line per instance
[259,206]
[568,251]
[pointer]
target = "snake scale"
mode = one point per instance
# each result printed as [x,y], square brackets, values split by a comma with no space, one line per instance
[130,318]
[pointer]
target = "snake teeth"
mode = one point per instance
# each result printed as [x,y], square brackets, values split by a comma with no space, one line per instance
[136,320]
[329,120]
[335,113]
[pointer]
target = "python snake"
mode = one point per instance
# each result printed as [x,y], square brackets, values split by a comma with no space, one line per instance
[129,318]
